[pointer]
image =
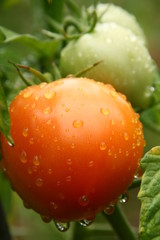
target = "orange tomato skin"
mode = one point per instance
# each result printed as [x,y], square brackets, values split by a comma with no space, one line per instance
[78,144]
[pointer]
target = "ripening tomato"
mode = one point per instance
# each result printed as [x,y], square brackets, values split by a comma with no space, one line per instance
[77,147]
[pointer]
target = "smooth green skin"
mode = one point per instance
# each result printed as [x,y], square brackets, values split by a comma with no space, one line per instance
[111,13]
[126,62]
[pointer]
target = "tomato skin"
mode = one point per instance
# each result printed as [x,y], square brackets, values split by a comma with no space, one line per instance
[77,147]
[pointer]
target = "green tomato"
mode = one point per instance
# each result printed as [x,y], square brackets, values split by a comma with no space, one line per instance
[112,13]
[126,62]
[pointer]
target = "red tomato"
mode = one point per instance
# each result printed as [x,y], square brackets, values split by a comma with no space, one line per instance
[78,144]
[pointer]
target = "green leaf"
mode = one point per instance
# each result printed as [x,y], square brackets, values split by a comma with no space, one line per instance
[4,116]
[150,196]
[46,48]
[151,118]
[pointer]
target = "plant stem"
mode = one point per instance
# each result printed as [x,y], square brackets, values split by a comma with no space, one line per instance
[121,225]
[4,231]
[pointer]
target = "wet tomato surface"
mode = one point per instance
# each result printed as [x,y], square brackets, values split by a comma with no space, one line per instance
[77,146]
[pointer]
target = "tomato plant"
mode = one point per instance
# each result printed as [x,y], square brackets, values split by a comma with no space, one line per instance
[126,62]
[71,146]
[73,139]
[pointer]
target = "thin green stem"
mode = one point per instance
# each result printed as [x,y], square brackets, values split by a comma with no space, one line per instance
[121,225]
[4,230]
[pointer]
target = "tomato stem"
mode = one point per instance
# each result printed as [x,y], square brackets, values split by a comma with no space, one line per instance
[121,225]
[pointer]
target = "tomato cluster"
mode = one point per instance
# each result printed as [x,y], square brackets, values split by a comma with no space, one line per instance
[77,146]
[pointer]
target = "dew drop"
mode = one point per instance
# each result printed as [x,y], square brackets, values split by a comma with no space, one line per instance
[83,201]
[42,85]
[68,179]
[109,152]
[109,209]
[47,110]
[103,146]
[12,109]
[124,198]
[36,161]
[36,98]
[139,131]
[23,157]
[67,109]
[73,145]
[69,161]
[45,218]
[120,150]
[50,171]
[126,137]
[31,140]
[39,182]
[138,142]
[25,132]
[49,122]
[27,94]
[112,122]
[78,123]
[62,227]
[29,170]
[127,153]
[11,144]
[86,222]
[104,111]
[49,94]
[53,205]
[91,163]
[133,145]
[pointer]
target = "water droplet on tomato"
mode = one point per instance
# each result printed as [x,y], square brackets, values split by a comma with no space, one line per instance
[73,145]
[25,132]
[62,227]
[49,94]
[112,122]
[103,146]
[53,205]
[27,94]
[11,144]
[45,218]
[68,179]
[23,157]
[104,111]
[109,209]
[49,121]
[47,110]
[78,123]
[126,136]
[42,85]
[36,161]
[109,152]
[83,201]
[138,142]
[127,153]
[67,109]
[31,140]
[36,98]
[91,163]
[50,171]
[39,182]
[124,198]
[69,161]
[86,222]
